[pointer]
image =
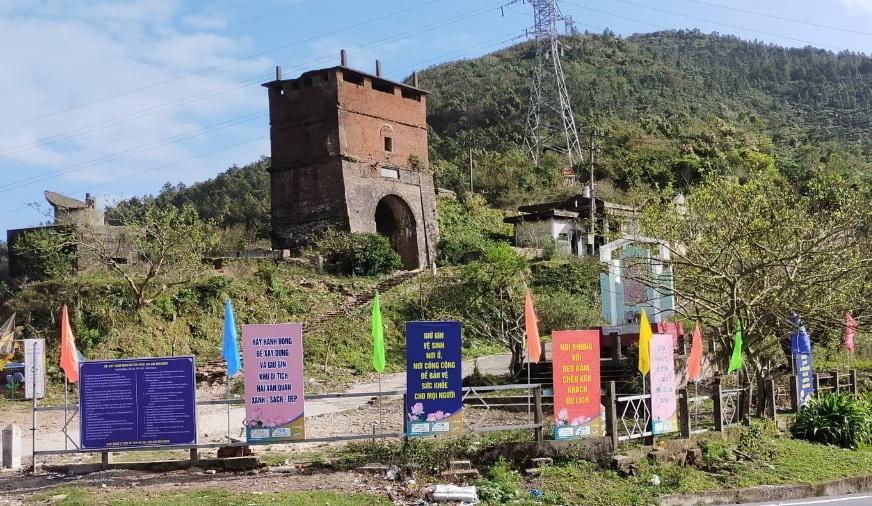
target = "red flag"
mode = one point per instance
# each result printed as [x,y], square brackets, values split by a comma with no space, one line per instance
[69,355]
[850,328]
[694,360]
[533,346]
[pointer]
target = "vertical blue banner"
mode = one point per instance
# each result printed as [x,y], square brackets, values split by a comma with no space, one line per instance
[804,372]
[434,379]
[137,402]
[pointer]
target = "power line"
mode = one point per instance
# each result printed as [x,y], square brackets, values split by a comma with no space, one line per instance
[214,67]
[139,149]
[233,87]
[129,176]
[728,25]
[235,121]
[132,151]
[782,18]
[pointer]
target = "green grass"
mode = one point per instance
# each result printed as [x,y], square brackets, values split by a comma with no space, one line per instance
[81,496]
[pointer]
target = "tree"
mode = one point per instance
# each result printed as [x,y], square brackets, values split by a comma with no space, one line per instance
[758,250]
[489,297]
[45,253]
[153,248]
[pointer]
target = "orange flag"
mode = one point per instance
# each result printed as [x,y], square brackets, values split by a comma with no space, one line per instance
[694,361]
[533,346]
[69,355]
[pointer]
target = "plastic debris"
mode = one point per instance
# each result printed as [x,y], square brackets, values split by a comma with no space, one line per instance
[655,480]
[536,493]
[454,493]
[392,473]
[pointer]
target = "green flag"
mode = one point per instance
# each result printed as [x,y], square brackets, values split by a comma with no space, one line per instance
[378,337]
[736,359]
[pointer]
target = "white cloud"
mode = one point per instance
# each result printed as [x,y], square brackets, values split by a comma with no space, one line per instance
[860,5]
[96,80]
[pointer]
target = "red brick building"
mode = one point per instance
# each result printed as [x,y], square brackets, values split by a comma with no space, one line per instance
[349,151]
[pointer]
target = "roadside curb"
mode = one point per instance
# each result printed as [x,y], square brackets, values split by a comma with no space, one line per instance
[841,486]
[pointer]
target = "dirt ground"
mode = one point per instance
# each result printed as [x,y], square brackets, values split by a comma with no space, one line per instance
[295,474]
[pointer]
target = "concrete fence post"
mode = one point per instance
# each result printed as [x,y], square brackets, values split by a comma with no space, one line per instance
[537,415]
[12,447]
[684,412]
[612,414]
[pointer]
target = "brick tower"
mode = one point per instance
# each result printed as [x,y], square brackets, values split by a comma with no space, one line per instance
[349,151]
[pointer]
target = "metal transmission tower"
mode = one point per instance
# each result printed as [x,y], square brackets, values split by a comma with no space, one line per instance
[550,115]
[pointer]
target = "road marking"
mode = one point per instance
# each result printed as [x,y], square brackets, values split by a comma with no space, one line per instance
[823,501]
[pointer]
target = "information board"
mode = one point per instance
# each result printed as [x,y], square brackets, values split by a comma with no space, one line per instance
[664,404]
[434,379]
[137,402]
[274,400]
[577,408]
[804,377]
[34,368]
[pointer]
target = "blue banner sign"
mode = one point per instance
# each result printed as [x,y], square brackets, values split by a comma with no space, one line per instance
[804,377]
[137,402]
[434,379]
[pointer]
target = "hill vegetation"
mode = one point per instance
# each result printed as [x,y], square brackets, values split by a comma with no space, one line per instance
[665,109]
[670,112]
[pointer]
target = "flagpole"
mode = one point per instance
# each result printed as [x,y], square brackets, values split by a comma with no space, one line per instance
[380,428]
[228,409]
[529,409]
[66,389]
[33,412]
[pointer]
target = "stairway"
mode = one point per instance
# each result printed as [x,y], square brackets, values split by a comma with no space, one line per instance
[359,300]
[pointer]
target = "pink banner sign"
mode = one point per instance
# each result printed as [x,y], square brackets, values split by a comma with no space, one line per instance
[577,409]
[664,405]
[272,357]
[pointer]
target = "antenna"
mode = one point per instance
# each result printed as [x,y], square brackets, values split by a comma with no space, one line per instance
[549,116]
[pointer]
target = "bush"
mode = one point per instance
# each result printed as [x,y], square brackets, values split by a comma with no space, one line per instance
[839,419]
[358,253]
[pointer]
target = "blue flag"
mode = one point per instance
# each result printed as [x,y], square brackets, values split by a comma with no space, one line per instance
[231,349]
[800,341]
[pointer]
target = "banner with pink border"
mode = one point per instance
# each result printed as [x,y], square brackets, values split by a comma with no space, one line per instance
[272,358]
[664,404]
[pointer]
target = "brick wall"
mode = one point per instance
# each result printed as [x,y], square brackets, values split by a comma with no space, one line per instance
[331,165]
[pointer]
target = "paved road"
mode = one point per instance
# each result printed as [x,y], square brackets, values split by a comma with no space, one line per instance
[842,500]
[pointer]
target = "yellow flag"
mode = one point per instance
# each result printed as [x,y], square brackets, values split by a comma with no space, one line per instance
[644,341]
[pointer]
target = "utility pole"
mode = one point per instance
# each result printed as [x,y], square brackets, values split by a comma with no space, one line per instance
[591,148]
[549,117]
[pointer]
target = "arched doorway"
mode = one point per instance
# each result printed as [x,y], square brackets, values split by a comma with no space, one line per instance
[394,220]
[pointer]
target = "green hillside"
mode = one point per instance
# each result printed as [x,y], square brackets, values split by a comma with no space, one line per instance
[669,110]
[666,107]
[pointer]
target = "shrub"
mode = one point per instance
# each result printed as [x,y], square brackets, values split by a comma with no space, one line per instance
[358,253]
[839,419]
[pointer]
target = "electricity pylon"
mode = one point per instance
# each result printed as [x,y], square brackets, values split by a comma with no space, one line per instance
[549,116]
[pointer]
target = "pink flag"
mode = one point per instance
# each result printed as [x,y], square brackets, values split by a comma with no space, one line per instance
[694,360]
[850,328]
[534,348]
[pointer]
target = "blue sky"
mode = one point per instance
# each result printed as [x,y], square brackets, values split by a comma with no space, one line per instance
[116,98]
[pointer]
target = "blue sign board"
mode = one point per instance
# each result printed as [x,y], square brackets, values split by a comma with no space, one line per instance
[434,379]
[804,376]
[137,402]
